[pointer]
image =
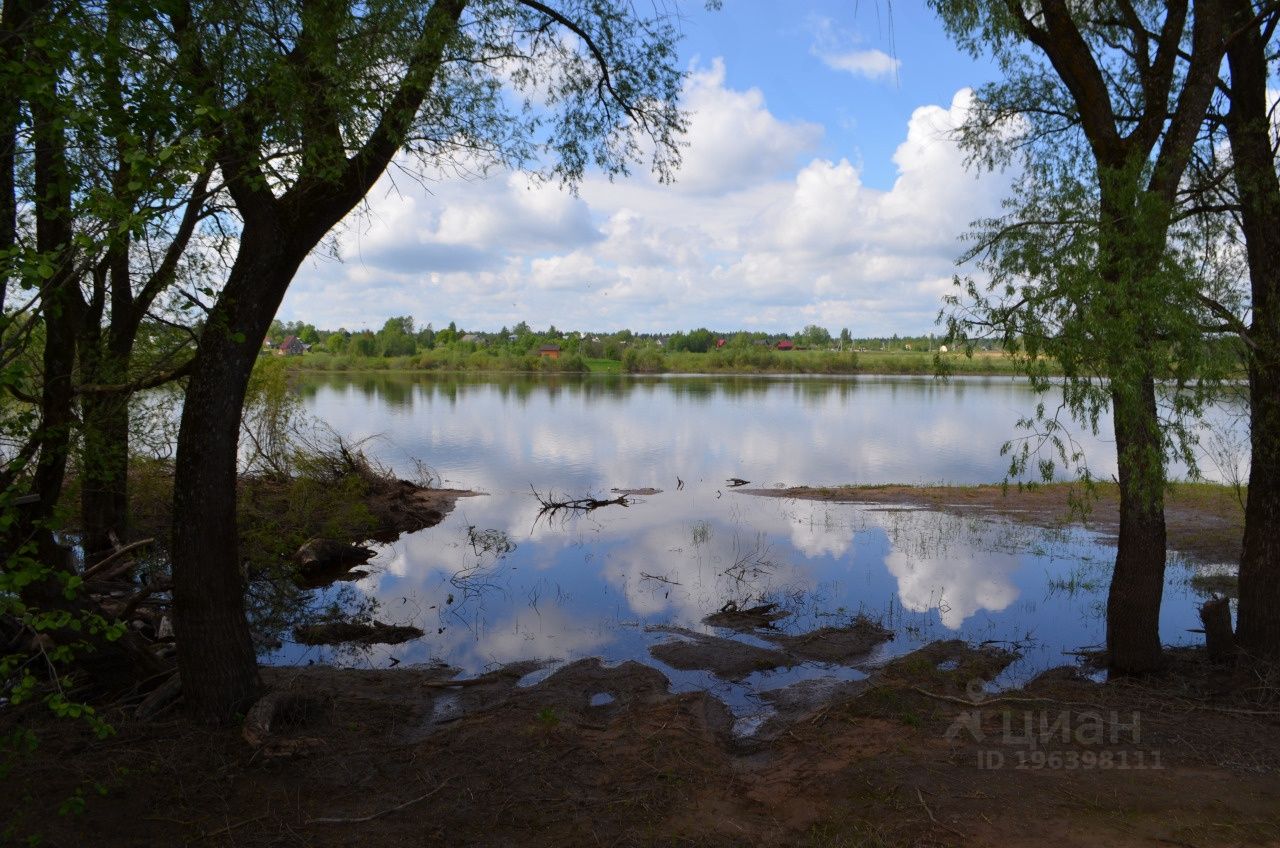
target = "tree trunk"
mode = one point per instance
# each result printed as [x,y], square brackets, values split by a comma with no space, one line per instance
[60,308]
[1259,611]
[111,663]
[215,653]
[1248,127]
[104,469]
[1137,585]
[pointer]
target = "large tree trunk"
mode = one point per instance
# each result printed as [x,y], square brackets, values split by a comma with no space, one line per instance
[104,466]
[1259,611]
[60,308]
[215,653]
[1137,585]
[1248,127]
[104,460]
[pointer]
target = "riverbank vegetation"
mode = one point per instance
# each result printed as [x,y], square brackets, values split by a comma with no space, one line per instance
[398,346]
[650,359]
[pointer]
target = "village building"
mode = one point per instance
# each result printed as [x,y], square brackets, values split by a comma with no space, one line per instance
[291,346]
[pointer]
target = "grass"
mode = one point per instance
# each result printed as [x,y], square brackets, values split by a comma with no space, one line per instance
[1079,580]
[1216,584]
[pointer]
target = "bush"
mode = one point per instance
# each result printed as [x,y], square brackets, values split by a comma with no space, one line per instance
[644,360]
[750,358]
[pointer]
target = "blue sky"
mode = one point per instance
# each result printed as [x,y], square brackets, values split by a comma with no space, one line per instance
[863,117]
[820,185]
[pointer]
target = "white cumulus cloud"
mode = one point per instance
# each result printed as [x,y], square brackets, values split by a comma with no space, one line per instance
[870,63]
[759,232]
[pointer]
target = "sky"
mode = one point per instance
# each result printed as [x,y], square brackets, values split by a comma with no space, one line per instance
[819,186]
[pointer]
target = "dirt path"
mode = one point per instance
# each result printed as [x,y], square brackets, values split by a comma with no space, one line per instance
[1205,522]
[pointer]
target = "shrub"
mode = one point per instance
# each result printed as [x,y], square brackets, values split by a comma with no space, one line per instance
[644,360]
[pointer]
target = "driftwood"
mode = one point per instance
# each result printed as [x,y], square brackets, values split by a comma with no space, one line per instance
[163,695]
[551,505]
[1219,639]
[934,818]
[131,605]
[746,619]
[231,827]
[735,482]
[98,570]
[372,816]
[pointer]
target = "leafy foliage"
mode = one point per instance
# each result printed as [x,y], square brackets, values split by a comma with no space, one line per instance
[1091,273]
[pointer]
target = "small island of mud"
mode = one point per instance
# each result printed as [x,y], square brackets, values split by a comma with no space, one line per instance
[1205,521]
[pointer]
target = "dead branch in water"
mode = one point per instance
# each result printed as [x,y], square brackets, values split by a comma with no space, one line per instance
[550,505]
[646,576]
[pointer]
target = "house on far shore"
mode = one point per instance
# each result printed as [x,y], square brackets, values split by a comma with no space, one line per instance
[291,346]
[550,351]
[473,338]
[785,344]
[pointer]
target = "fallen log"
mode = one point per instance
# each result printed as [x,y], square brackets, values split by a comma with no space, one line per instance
[160,698]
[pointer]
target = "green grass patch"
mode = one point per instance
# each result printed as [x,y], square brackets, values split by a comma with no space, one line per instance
[603,366]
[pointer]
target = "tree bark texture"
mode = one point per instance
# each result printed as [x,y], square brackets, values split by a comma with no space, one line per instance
[1137,584]
[1248,128]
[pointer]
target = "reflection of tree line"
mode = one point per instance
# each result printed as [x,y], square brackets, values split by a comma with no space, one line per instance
[400,390]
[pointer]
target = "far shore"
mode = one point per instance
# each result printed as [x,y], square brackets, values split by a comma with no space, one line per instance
[715,363]
[1205,520]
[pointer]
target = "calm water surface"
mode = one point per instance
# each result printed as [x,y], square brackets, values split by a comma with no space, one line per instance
[496,583]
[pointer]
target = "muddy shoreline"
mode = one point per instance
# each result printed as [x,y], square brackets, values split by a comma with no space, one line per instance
[597,754]
[1205,522]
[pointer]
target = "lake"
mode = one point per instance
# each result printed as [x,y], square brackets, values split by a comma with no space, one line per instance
[496,582]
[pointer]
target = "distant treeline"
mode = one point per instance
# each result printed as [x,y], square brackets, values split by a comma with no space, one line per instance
[401,346]
[401,337]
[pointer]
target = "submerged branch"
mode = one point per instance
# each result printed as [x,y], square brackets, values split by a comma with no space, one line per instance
[551,506]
